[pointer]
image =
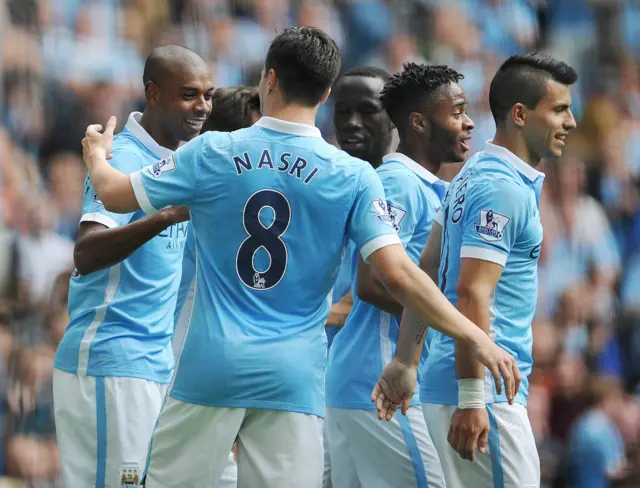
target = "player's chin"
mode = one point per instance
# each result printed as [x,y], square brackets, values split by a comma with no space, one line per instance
[456,156]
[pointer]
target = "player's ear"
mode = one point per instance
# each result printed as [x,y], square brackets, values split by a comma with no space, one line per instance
[325,96]
[518,114]
[151,91]
[272,80]
[418,123]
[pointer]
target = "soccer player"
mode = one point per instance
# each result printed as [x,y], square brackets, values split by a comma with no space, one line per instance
[428,107]
[114,362]
[491,239]
[232,109]
[364,131]
[271,207]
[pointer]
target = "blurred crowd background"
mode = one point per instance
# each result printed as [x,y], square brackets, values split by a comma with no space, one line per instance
[68,63]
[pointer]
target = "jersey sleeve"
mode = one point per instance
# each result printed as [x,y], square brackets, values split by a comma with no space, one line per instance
[92,208]
[369,224]
[405,203]
[171,181]
[494,214]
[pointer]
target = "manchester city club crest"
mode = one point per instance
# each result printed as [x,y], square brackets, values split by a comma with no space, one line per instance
[130,477]
[491,226]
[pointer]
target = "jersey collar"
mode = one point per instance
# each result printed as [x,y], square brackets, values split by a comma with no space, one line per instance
[287,127]
[133,126]
[529,172]
[422,172]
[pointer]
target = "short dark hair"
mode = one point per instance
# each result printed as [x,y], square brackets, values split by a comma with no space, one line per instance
[368,72]
[523,79]
[306,61]
[162,58]
[414,84]
[232,108]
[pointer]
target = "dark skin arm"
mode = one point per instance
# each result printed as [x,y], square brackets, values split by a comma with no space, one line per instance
[340,311]
[99,247]
[371,290]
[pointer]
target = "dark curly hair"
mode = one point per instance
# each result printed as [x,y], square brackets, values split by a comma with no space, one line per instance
[232,108]
[412,86]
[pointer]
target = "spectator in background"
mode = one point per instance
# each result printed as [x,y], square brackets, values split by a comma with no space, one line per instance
[43,255]
[596,446]
[66,175]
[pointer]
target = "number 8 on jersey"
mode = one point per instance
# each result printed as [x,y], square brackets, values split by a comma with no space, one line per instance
[267,237]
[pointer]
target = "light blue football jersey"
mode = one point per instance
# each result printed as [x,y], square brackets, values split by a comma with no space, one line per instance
[343,282]
[122,317]
[271,208]
[186,292]
[368,339]
[490,212]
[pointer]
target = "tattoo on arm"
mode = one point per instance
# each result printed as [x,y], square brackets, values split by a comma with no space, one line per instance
[421,333]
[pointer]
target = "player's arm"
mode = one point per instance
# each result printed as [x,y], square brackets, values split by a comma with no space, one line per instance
[476,283]
[340,311]
[371,290]
[404,199]
[381,247]
[112,186]
[172,181]
[490,226]
[412,329]
[99,246]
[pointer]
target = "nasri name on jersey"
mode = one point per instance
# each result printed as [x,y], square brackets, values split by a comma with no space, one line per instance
[286,162]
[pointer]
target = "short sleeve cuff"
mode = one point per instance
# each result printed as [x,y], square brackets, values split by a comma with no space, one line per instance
[141,194]
[99,218]
[378,243]
[483,253]
[439,217]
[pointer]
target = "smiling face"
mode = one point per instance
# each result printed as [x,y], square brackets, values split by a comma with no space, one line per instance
[363,128]
[449,124]
[185,100]
[547,126]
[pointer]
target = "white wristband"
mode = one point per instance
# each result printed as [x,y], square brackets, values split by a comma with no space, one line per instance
[471,393]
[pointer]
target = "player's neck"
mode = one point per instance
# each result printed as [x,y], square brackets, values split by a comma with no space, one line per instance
[418,155]
[156,132]
[517,146]
[297,114]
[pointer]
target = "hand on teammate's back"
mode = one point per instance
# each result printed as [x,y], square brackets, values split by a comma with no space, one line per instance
[394,388]
[469,428]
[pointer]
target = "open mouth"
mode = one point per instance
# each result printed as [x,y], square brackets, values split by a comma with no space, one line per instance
[464,144]
[561,138]
[196,124]
[353,141]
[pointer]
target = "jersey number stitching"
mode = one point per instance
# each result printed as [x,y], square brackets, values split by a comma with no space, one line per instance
[268,238]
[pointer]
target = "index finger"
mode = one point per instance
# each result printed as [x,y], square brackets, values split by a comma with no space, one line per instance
[111,125]
[497,379]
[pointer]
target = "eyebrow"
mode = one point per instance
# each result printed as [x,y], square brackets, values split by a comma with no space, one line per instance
[460,103]
[194,89]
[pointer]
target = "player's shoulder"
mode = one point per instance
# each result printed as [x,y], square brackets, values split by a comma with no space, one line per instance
[343,163]
[397,175]
[127,150]
[489,175]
